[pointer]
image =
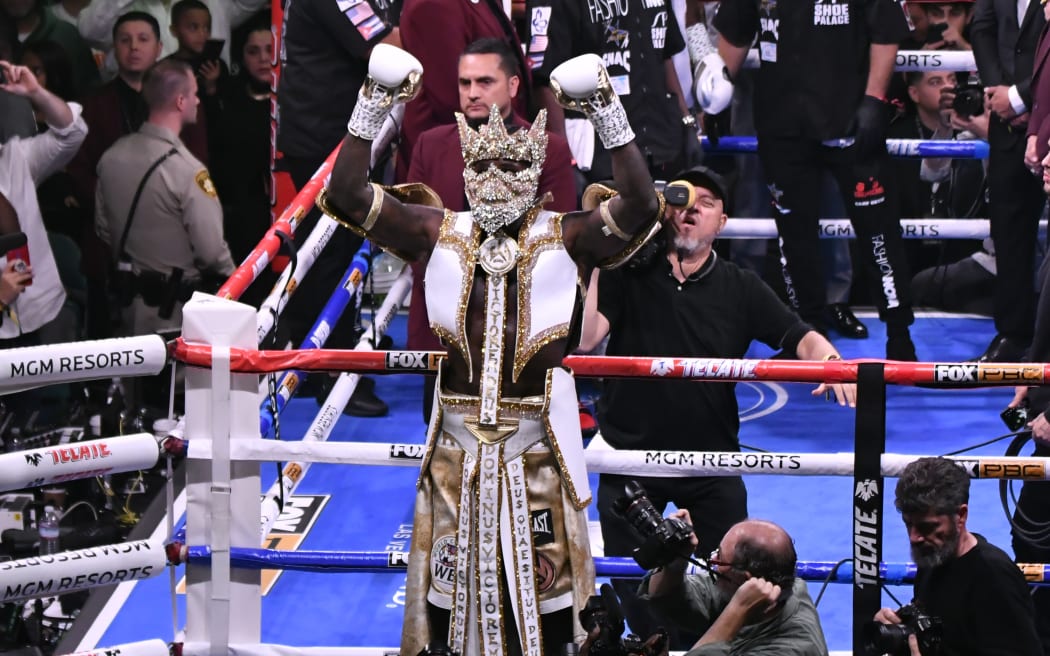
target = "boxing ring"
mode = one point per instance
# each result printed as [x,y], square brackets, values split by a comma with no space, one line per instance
[205,573]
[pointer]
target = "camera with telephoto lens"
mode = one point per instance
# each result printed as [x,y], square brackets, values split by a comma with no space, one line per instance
[603,611]
[892,639]
[969,100]
[664,536]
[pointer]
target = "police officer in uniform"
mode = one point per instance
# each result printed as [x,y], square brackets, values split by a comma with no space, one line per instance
[175,241]
[820,104]
[636,40]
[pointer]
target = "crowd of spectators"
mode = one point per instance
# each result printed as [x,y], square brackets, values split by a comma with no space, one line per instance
[96,53]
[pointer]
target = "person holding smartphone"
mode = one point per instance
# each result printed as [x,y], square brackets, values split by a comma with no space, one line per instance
[191,26]
[948,24]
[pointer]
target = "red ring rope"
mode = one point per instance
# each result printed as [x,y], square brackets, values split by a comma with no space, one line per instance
[953,374]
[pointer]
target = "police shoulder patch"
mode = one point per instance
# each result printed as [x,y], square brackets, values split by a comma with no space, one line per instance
[204,182]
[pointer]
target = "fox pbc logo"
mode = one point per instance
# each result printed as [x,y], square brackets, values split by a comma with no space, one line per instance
[955,373]
[1029,471]
[973,373]
[407,451]
[1016,374]
[410,360]
[1033,572]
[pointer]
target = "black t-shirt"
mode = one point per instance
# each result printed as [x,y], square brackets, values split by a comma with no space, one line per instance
[324,61]
[983,602]
[716,313]
[814,55]
[633,38]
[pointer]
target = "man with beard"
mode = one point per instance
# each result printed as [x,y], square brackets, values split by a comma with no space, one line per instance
[677,298]
[500,560]
[974,588]
[749,602]
[487,75]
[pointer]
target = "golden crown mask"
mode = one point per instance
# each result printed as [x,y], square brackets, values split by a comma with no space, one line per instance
[491,141]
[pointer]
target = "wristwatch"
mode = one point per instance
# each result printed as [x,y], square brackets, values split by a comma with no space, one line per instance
[689,120]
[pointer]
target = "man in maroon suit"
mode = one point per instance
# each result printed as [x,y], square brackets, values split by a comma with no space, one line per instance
[487,74]
[435,32]
[1039,123]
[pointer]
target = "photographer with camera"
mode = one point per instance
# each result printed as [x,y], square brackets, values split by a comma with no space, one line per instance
[749,602]
[678,298]
[972,587]
[957,276]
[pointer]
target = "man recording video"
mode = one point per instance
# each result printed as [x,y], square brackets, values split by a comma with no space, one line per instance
[971,586]
[750,602]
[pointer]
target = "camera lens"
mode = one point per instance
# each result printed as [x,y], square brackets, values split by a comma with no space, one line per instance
[882,638]
[638,510]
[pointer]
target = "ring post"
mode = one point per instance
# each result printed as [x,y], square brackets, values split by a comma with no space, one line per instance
[870,438]
[222,496]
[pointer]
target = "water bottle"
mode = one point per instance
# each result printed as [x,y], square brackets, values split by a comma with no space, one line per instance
[49,531]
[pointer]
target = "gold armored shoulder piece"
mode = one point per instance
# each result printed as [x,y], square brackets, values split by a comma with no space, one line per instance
[328,207]
[415,193]
[594,194]
[641,238]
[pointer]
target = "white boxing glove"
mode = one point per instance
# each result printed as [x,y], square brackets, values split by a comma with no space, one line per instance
[578,79]
[391,66]
[394,76]
[712,86]
[583,84]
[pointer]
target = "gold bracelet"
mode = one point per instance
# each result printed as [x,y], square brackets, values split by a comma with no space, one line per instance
[610,223]
[378,195]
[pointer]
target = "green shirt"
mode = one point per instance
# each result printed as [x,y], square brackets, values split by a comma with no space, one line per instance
[795,631]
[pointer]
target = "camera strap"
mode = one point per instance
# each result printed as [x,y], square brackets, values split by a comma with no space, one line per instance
[122,252]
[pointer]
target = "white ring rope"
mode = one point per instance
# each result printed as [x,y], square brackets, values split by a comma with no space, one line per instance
[741,228]
[35,366]
[668,464]
[156,647]
[69,571]
[912,60]
[68,462]
[332,408]
[289,279]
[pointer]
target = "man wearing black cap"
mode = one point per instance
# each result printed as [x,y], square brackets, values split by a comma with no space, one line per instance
[677,298]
